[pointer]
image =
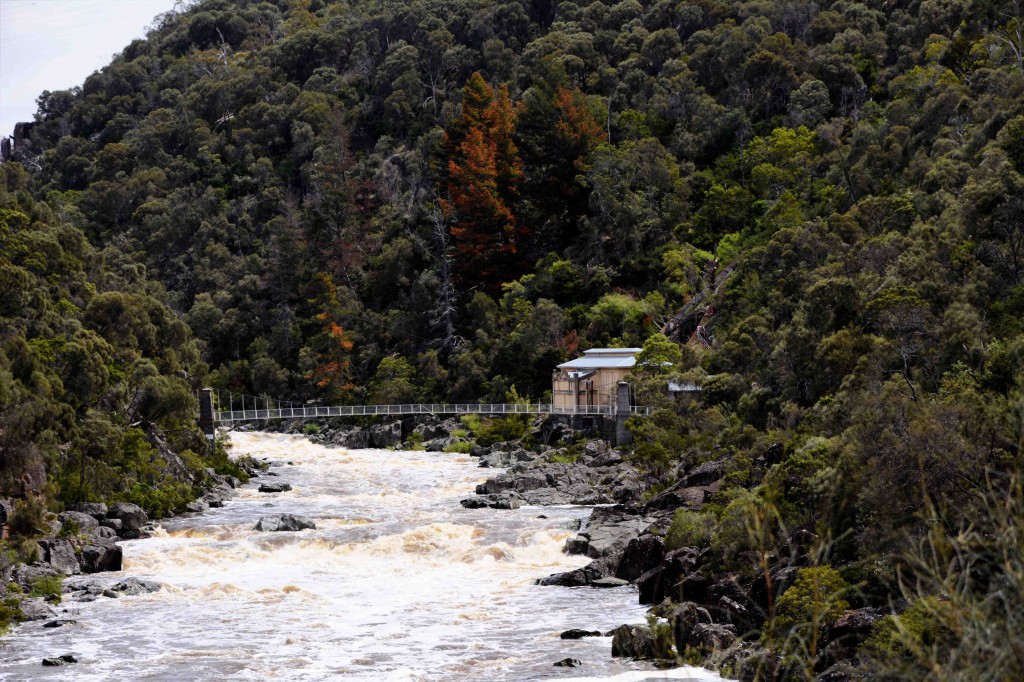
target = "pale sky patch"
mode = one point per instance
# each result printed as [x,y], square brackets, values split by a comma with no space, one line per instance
[56,44]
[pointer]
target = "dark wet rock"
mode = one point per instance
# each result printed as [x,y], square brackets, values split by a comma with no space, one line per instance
[579,577]
[568,663]
[640,555]
[357,439]
[705,474]
[546,497]
[274,487]
[97,510]
[131,587]
[139,534]
[131,515]
[713,636]
[114,524]
[576,633]
[496,459]
[99,558]
[608,531]
[83,521]
[848,633]
[633,641]
[60,554]
[386,435]
[480,450]
[695,586]
[35,608]
[59,623]
[737,613]
[63,659]
[608,582]
[678,496]
[664,580]
[500,501]
[684,618]
[606,459]
[284,522]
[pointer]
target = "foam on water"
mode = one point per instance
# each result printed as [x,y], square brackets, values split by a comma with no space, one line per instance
[397,582]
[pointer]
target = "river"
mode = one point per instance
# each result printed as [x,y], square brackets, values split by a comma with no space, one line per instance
[397,582]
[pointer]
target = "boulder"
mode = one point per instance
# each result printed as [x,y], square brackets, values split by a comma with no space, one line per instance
[60,554]
[712,636]
[684,618]
[103,533]
[274,487]
[608,582]
[605,459]
[633,641]
[34,608]
[664,579]
[576,633]
[99,558]
[59,623]
[499,501]
[495,459]
[284,523]
[568,663]
[480,451]
[97,510]
[546,497]
[132,516]
[357,439]
[63,659]
[609,530]
[84,522]
[640,555]
[197,506]
[705,474]
[114,524]
[131,587]
[386,435]
[579,577]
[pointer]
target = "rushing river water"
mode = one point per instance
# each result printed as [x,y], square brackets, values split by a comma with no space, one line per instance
[397,582]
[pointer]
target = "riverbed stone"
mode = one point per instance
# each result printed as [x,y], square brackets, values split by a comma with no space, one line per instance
[499,501]
[83,521]
[274,487]
[36,608]
[609,582]
[59,622]
[568,663]
[98,558]
[577,633]
[131,515]
[131,587]
[63,659]
[633,641]
[284,522]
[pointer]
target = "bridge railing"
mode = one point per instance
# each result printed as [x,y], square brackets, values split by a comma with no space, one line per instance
[313,411]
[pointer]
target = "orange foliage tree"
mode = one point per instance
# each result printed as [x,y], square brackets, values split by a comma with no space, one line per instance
[328,351]
[485,172]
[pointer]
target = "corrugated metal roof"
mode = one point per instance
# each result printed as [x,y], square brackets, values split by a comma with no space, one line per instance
[604,358]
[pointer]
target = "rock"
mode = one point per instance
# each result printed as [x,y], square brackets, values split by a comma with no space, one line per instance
[579,634]
[502,501]
[695,587]
[284,522]
[274,487]
[546,497]
[134,586]
[606,459]
[737,613]
[684,618]
[63,659]
[99,558]
[633,641]
[568,663]
[712,636]
[357,439]
[34,608]
[386,435]
[136,534]
[131,515]
[692,497]
[480,450]
[640,555]
[85,522]
[664,580]
[705,474]
[59,623]
[114,524]
[103,533]
[495,459]
[609,530]
[197,506]
[579,577]
[608,582]
[24,575]
[97,510]
[61,555]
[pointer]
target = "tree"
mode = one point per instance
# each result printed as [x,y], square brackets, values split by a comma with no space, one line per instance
[484,175]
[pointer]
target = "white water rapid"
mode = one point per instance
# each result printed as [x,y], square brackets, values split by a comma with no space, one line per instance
[397,582]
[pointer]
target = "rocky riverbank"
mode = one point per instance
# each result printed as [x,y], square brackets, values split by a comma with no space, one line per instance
[699,614]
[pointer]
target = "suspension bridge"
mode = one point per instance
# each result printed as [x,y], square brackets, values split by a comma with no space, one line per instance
[225,407]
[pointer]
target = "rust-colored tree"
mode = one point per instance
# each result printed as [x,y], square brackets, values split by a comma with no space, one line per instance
[485,172]
[327,353]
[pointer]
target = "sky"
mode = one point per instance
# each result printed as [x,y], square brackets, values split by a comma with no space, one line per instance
[56,44]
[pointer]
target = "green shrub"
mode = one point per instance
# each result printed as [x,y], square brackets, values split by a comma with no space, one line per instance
[501,431]
[69,529]
[9,613]
[690,529]
[462,446]
[46,586]
[816,598]
[311,429]
[471,422]
[460,433]
[566,456]
[414,441]
[29,517]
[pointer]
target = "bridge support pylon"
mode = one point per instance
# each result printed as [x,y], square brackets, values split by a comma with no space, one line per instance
[207,420]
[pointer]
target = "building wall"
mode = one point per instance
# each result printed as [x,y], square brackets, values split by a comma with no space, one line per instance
[598,389]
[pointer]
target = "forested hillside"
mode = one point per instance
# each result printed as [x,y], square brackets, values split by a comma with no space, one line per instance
[819,206]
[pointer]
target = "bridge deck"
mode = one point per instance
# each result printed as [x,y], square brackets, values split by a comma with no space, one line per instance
[421,408]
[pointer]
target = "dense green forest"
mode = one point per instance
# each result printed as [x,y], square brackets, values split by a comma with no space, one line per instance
[815,209]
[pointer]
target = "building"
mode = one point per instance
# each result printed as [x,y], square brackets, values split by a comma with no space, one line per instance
[592,380]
